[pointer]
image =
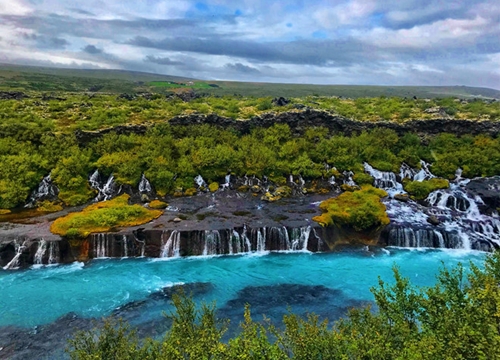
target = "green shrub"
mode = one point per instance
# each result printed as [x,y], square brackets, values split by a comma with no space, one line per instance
[421,189]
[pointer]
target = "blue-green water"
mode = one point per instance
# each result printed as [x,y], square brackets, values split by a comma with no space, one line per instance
[39,296]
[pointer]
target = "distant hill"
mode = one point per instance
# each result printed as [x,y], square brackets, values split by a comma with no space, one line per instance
[26,78]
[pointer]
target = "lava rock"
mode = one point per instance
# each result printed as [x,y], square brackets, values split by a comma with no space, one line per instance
[433,220]
[12,95]
[280,101]
[402,197]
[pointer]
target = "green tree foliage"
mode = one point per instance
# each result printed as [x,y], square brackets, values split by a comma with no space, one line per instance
[457,318]
[421,189]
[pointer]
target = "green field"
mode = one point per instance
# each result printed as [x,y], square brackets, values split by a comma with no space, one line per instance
[26,78]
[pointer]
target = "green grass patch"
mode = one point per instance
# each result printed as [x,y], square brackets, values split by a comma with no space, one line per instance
[361,209]
[103,216]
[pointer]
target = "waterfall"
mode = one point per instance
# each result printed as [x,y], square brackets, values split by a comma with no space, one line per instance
[125,246]
[100,243]
[40,252]
[53,252]
[19,248]
[348,178]
[105,191]
[384,179]
[144,185]
[424,173]
[300,238]
[227,183]
[212,240]
[45,189]
[199,181]
[171,246]
[424,238]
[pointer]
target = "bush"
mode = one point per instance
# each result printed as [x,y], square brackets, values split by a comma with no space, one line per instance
[421,189]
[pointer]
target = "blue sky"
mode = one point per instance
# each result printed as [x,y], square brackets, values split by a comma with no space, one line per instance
[392,42]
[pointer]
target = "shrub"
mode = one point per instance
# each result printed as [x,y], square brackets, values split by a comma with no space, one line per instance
[421,189]
[157,204]
[360,209]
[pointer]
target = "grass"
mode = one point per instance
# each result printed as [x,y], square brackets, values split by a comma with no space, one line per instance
[361,209]
[102,217]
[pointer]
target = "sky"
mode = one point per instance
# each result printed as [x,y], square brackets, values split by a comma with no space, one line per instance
[391,42]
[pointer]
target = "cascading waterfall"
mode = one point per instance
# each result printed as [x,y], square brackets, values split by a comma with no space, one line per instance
[125,246]
[44,190]
[40,252]
[385,180]
[227,183]
[105,191]
[300,238]
[53,252]
[19,248]
[171,246]
[212,240]
[200,181]
[348,178]
[144,185]
[100,243]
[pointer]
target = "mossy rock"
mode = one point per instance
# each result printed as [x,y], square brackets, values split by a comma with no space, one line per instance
[48,206]
[283,191]
[190,192]
[361,210]
[243,188]
[102,217]
[158,204]
[213,187]
[5,211]
[256,189]
[270,197]
[349,188]
[362,178]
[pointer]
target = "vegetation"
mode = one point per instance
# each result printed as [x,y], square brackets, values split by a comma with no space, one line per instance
[360,209]
[457,318]
[157,204]
[421,189]
[102,217]
[171,156]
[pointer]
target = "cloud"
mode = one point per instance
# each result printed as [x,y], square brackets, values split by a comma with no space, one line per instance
[91,49]
[244,69]
[161,60]
[398,42]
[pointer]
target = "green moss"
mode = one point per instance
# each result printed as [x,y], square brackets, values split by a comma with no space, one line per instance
[213,187]
[4,211]
[102,217]
[190,192]
[419,190]
[362,178]
[360,209]
[48,206]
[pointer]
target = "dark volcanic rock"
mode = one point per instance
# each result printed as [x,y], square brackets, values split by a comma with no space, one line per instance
[12,95]
[280,101]
[489,191]
[433,220]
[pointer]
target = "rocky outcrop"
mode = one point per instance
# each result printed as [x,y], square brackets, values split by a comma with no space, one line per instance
[488,189]
[12,95]
[300,121]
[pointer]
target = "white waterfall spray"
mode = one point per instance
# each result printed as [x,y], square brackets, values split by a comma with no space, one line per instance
[19,248]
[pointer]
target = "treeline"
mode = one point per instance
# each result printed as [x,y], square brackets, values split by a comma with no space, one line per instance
[457,318]
[171,156]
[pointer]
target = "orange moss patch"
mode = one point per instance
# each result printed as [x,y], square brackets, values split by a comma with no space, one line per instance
[157,204]
[102,217]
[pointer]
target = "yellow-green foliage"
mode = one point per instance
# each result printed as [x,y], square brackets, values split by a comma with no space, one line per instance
[190,192]
[213,187]
[421,189]
[360,209]
[4,211]
[362,178]
[102,217]
[158,204]
[48,206]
